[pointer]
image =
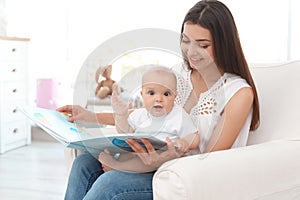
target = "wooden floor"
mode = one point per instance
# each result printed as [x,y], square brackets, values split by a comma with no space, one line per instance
[34,172]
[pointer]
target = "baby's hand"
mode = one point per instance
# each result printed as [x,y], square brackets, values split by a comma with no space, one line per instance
[182,146]
[116,88]
[119,106]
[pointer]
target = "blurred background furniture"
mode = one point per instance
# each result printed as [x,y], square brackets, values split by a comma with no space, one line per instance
[48,93]
[14,127]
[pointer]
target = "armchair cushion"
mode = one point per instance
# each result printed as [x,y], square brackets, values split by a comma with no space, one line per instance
[279,99]
[254,172]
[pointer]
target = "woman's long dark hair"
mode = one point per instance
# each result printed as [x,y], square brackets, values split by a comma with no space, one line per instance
[227,49]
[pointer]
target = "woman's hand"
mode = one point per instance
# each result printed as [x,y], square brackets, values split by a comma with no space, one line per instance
[150,156]
[78,114]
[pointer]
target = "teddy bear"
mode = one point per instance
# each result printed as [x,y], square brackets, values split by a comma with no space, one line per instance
[104,87]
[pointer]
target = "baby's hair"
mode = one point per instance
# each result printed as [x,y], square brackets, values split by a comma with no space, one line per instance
[160,75]
[158,69]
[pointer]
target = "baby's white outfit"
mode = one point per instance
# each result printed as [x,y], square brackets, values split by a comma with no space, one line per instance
[177,123]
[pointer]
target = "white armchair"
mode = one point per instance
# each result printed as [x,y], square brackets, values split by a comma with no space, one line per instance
[267,169]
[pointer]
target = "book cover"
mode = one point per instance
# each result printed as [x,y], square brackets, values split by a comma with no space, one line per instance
[83,137]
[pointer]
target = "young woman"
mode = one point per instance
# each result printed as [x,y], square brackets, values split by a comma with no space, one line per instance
[217,91]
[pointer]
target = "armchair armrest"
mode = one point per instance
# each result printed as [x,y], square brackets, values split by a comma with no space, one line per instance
[261,171]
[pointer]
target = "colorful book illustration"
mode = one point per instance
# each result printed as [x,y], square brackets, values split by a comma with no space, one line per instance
[80,136]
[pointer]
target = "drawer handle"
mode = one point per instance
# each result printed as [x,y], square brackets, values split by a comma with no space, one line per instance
[14,70]
[15,131]
[14,110]
[14,90]
[13,49]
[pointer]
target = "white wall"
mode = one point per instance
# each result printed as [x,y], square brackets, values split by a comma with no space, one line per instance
[263,28]
[44,22]
[2,18]
[294,37]
[64,32]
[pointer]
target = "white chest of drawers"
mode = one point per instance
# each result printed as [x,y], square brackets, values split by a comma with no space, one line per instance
[14,127]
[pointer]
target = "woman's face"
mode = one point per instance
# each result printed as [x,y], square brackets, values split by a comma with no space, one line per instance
[197,45]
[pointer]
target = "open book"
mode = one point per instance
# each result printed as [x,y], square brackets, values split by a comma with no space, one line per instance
[82,137]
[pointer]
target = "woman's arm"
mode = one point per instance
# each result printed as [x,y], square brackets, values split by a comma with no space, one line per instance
[77,113]
[126,162]
[232,120]
[108,118]
[105,118]
[147,159]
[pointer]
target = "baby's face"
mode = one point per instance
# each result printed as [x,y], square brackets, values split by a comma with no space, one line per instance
[158,99]
[159,91]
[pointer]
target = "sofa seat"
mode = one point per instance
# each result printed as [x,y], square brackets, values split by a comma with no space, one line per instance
[252,172]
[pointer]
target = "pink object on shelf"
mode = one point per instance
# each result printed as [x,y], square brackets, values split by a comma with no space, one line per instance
[48,93]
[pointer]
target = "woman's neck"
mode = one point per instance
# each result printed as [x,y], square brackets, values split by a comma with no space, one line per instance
[208,77]
[201,82]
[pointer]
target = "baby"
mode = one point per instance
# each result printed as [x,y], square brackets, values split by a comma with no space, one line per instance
[160,116]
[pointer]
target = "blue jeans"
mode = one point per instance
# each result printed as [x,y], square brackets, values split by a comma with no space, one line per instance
[88,181]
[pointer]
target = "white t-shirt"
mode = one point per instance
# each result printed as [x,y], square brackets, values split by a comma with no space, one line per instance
[175,124]
[207,112]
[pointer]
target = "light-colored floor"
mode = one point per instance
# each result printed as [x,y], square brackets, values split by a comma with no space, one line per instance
[36,172]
